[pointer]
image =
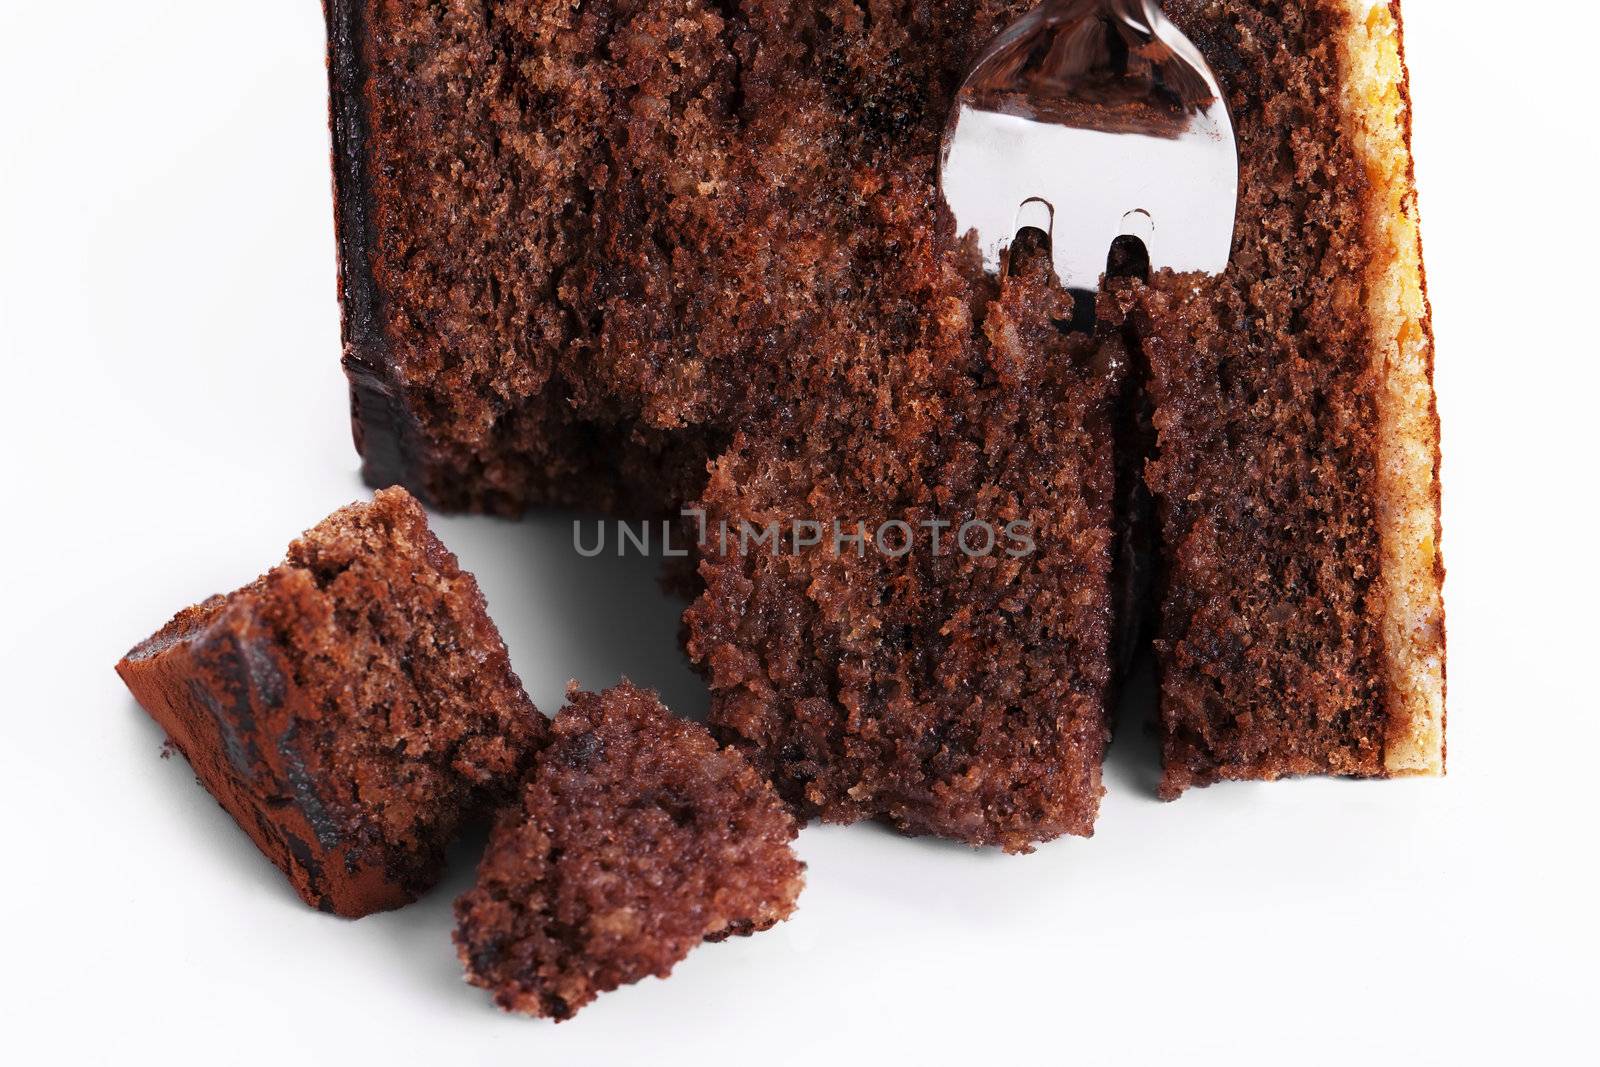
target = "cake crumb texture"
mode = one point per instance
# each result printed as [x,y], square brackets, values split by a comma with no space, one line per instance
[635,839]
[349,709]
[1295,459]
[631,255]
[617,245]
[917,680]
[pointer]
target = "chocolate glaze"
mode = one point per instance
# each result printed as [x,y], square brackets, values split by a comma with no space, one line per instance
[385,434]
[349,709]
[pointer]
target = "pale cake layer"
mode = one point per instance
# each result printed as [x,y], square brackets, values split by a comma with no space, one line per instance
[1378,108]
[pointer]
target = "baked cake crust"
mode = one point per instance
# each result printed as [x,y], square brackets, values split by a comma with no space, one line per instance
[349,709]
[1297,443]
[1378,109]
[635,839]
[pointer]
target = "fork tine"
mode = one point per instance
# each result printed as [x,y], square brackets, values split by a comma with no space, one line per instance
[1112,147]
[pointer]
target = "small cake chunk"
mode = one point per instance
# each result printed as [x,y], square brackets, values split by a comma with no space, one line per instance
[636,839]
[349,709]
[956,677]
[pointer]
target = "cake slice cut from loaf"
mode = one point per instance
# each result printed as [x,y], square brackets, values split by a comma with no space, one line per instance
[1295,465]
[590,250]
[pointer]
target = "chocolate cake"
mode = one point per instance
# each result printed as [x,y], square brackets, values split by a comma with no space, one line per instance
[636,839]
[349,709]
[635,255]
[1297,442]
[915,677]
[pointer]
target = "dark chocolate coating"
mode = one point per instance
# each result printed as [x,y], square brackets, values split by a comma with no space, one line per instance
[349,709]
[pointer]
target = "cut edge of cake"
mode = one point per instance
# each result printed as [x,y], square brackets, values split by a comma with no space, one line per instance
[1411,617]
[636,838]
[352,788]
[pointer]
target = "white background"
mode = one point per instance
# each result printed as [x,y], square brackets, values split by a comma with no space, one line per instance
[172,412]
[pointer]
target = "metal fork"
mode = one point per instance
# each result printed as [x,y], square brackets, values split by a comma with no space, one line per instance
[1093,119]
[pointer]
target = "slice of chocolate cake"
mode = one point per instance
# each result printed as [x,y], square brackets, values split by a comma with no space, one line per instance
[1296,463]
[636,839]
[583,244]
[592,250]
[349,709]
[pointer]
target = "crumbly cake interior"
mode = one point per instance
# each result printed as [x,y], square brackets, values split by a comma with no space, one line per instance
[419,717]
[592,247]
[723,220]
[950,693]
[636,838]
[586,243]
[1266,456]
[350,708]
[1267,384]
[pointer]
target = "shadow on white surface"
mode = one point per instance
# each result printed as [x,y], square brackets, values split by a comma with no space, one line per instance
[418,937]
[565,617]
[1133,765]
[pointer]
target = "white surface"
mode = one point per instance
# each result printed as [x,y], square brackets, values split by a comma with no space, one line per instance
[174,412]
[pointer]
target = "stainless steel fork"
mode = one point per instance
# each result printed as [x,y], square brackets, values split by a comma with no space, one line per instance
[1092,119]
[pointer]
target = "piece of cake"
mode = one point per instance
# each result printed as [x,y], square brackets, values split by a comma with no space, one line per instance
[950,670]
[584,244]
[635,839]
[592,252]
[587,247]
[1297,444]
[349,708]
